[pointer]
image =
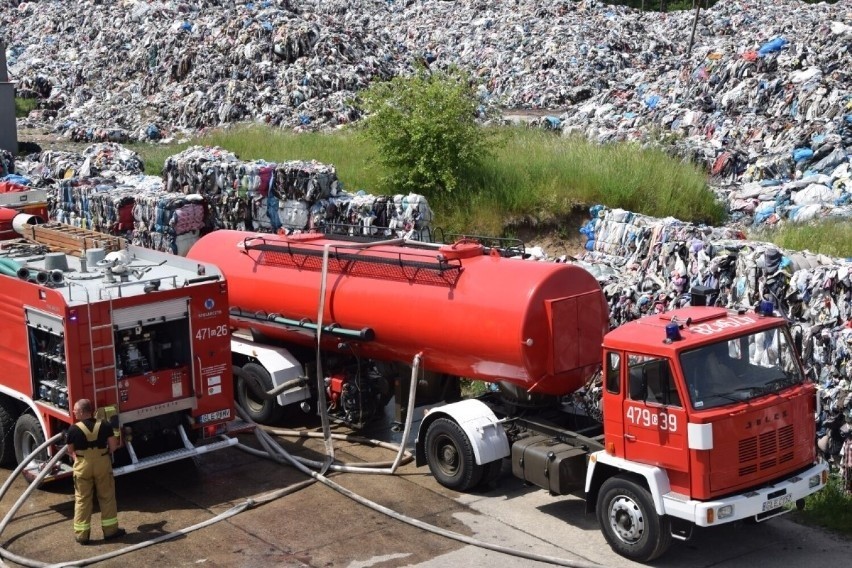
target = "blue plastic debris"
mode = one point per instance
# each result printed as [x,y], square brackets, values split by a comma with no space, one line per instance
[772,46]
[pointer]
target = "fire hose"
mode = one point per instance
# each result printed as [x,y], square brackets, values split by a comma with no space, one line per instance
[272,449]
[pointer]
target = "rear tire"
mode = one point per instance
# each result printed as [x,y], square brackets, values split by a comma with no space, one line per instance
[261,410]
[450,456]
[28,436]
[8,414]
[629,521]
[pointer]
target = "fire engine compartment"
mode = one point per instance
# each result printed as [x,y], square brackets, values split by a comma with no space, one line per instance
[141,333]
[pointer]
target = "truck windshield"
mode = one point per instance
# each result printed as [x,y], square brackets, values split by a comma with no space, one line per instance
[740,369]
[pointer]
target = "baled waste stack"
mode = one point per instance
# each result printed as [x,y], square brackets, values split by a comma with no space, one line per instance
[292,195]
[207,188]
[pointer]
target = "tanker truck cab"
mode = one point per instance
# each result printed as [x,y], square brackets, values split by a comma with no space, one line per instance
[699,417]
[708,419]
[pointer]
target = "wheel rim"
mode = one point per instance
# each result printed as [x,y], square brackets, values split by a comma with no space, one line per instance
[626,519]
[447,455]
[254,405]
[29,443]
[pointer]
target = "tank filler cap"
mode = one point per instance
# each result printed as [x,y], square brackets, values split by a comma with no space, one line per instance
[461,249]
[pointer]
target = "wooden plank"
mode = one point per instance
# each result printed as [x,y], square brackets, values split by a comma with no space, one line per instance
[73,240]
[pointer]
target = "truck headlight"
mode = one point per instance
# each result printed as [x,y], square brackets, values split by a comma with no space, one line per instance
[725,512]
[814,481]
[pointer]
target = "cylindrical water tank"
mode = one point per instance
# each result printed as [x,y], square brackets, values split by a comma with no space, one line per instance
[480,316]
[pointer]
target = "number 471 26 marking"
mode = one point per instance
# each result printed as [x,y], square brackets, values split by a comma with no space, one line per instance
[207,332]
[646,417]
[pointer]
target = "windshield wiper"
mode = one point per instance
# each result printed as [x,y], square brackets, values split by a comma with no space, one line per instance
[779,384]
[727,396]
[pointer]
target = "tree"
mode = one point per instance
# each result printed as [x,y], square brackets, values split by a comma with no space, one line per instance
[424,126]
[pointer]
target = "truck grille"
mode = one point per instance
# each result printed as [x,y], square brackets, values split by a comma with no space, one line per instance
[766,451]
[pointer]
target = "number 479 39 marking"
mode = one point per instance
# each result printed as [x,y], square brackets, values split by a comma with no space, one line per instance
[650,419]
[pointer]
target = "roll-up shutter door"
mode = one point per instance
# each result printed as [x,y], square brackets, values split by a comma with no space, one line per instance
[149,314]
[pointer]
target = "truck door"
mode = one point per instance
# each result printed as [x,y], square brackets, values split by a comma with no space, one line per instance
[654,418]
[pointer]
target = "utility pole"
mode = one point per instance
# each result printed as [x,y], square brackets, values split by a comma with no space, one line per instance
[694,25]
[8,122]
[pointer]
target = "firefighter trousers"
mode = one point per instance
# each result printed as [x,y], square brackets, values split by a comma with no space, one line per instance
[93,477]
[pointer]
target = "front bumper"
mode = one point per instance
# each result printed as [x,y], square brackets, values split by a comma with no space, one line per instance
[761,503]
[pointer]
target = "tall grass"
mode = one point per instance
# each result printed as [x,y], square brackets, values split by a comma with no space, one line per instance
[533,175]
[538,169]
[24,106]
[832,237]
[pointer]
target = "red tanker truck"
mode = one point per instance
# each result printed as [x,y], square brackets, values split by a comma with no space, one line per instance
[703,416]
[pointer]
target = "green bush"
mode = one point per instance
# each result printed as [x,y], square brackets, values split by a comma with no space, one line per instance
[830,508]
[24,106]
[424,128]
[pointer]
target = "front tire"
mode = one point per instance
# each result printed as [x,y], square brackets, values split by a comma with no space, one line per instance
[260,409]
[7,433]
[28,436]
[450,456]
[629,521]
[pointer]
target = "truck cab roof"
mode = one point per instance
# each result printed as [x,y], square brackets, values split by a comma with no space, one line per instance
[697,326]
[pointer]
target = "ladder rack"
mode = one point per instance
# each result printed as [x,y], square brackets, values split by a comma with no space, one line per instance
[72,240]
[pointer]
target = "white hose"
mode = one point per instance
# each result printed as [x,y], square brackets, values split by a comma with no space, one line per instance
[25,462]
[326,429]
[41,475]
[329,448]
[266,440]
[409,409]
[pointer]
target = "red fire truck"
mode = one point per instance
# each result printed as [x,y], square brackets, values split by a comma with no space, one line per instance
[142,334]
[695,417]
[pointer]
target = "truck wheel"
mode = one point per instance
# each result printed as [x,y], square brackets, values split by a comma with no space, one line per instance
[262,410]
[450,456]
[28,436]
[629,521]
[7,433]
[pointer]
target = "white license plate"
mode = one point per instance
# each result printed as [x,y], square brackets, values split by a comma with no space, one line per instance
[213,416]
[777,502]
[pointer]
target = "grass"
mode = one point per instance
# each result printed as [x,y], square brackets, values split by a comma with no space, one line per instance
[831,508]
[534,174]
[24,106]
[832,237]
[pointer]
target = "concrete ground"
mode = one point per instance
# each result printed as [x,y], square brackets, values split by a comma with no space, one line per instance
[319,528]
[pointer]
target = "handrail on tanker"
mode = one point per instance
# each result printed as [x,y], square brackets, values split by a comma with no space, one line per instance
[418,260]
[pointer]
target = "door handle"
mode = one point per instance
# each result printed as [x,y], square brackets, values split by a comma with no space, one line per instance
[630,437]
[199,386]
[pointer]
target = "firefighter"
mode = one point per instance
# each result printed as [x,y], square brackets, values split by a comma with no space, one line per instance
[92,443]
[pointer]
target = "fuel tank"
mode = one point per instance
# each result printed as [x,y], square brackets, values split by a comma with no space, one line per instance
[470,312]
